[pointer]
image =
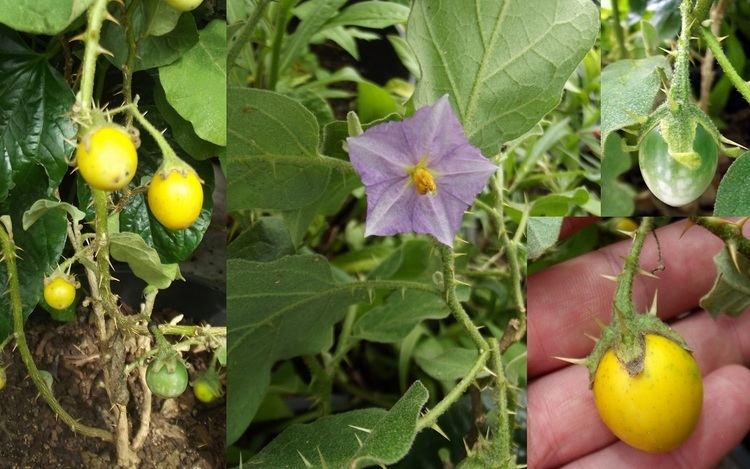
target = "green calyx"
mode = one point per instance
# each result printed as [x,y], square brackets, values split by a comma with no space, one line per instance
[625,335]
[678,130]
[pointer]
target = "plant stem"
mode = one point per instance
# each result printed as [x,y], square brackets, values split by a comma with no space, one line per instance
[431,417]
[8,251]
[713,44]
[729,232]
[447,257]
[245,32]
[624,293]
[700,12]
[679,92]
[282,14]
[127,70]
[343,345]
[504,429]
[618,30]
[96,15]
[167,151]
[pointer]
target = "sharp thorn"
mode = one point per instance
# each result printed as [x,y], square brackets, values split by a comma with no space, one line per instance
[574,361]
[646,273]
[688,224]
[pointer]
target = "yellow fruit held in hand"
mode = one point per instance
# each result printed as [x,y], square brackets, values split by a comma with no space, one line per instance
[658,409]
[184,5]
[59,292]
[106,158]
[176,198]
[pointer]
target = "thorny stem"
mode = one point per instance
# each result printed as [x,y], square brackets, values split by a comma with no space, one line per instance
[96,15]
[516,327]
[447,257]
[504,431]
[127,70]
[700,12]
[624,293]
[679,92]
[246,32]
[431,417]
[713,44]
[166,149]
[8,250]
[728,232]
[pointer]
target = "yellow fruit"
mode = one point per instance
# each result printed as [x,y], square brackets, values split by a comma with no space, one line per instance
[59,293]
[176,198]
[106,158]
[658,409]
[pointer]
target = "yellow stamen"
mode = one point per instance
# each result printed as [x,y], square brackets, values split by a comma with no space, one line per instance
[423,180]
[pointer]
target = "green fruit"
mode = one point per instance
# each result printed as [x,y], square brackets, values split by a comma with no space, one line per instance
[167,379]
[3,378]
[671,181]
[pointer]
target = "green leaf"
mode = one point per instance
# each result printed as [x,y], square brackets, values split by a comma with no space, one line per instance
[629,89]
[266,240]
[445,363]
[617,197]
[35,124]
[142,259]
[164,18]
[41,245]
[48,17]
[152,50]
[195,84]
[730,293]
[733,196]
[276,310]
[395,319]
[374,102]
[182,130]
[273,157]
[503,63]
[370,14]
[542,234]
[355,439]
[558,204]
[405,54]
[42,206]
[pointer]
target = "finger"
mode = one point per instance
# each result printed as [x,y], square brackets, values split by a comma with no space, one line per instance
[561,401]
[725,420]
[564,299]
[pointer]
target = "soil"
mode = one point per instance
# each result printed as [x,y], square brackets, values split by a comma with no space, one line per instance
[183,434]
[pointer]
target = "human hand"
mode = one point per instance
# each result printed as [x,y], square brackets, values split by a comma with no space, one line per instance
[564,428]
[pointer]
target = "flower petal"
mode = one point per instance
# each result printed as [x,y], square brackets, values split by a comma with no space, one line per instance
[433,131]
[381,153]
[439,215]
[464,173]
[389,208]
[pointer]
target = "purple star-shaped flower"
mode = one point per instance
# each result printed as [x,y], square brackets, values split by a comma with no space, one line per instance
[420,174]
